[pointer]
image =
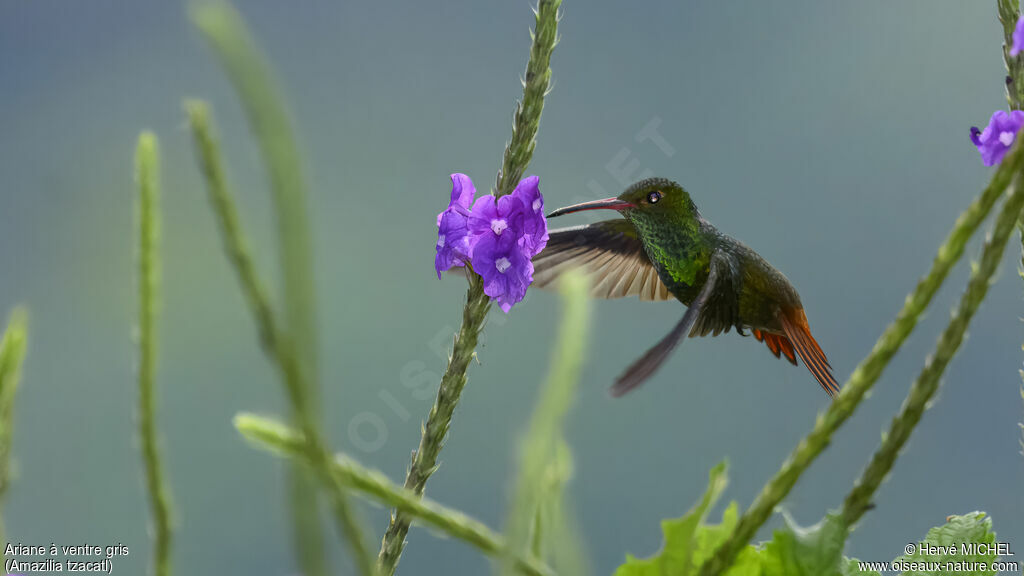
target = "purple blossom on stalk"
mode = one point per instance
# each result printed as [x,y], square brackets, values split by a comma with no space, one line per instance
[535,226]
[453,241]
[504,217]
[996,139]
[504,267]
[499,237]
[1018,38]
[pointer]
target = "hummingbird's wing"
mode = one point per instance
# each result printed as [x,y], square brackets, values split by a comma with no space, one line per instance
[610,252]
[642,369]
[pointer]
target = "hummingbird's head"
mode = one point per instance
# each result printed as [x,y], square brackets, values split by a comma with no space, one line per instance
[650,200]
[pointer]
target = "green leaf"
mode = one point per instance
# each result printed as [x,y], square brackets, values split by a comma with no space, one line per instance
[797,551]
[687,542]
[793,551]
[814,551]
[943,545]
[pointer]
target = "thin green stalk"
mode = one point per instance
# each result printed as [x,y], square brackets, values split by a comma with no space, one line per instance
[226,33]
[526,120]
[1009,13]
[12,353]
[543,448]
[275,343]
[516,158]
[424,460]
[147,166]
[858,500]
[277,437]
[869,370]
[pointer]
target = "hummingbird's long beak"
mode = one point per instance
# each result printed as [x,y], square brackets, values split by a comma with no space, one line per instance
[606,204]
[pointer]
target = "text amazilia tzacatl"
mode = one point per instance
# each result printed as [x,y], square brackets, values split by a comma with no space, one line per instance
[664,249]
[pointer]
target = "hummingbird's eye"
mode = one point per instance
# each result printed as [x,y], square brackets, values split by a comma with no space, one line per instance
[653,197]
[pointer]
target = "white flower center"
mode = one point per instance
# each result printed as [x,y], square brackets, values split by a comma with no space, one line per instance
[502,264]
[499,226]
[536,204]
[440,240]
[1006,138]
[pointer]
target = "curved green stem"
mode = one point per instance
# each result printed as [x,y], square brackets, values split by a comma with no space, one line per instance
[869,370]
[273,435]
[927,384]
[275,342]
[226,33]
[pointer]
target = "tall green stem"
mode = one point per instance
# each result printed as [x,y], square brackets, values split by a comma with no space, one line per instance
[927,384]
[147,166]
[226,32]
[1009,13]
[515,160]
[274,341]
[869,370]
[544,448]
[12,353]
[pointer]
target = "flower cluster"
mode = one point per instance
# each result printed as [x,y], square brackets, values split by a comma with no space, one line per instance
[997,138]
[498,237]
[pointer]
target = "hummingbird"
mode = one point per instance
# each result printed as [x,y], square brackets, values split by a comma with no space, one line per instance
[662,249]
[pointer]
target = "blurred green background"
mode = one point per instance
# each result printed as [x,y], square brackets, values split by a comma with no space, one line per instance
[830,136]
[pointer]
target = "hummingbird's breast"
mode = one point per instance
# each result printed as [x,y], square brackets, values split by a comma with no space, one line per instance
[748,294]
[680,254]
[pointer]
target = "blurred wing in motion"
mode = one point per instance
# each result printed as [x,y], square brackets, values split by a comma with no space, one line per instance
[609,252]
[642,369]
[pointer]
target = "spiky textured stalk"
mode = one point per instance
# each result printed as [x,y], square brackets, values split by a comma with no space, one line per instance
[275,343]
[544,444]
[526,119]
[147,171]
[225,31]
[1009,13]
[927,384]
[424,459]
[867,372]
[275,436]
[12,353]
[517,157]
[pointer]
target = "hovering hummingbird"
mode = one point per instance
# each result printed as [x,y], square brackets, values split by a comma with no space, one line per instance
[664,249]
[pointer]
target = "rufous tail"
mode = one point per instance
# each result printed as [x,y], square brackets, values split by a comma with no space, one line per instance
[794,324]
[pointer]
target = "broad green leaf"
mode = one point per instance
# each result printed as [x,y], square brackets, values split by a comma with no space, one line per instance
[814,551]
[688,542]
[793,551]
[943,545]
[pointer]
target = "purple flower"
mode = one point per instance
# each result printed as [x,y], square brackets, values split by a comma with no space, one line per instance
[504,217]
[535,226]
[995,140]
[1018,38]
[453,241]
[498,237]
[504,267]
